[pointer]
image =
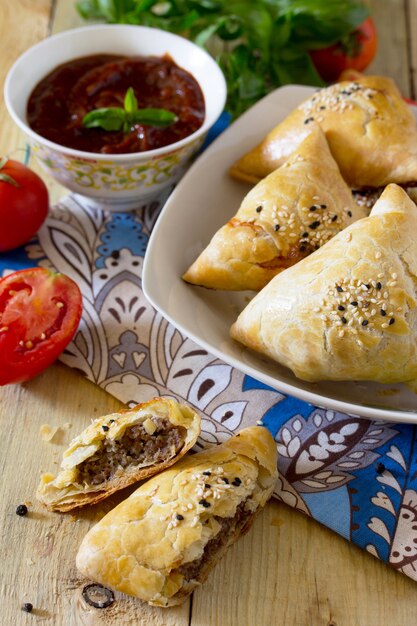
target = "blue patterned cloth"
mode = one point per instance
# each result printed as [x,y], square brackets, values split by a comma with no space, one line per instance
[356,476]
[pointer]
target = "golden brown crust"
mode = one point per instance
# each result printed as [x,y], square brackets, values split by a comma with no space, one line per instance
[349,311]
[371,132]
[145,545]
[281,220]
[68,491]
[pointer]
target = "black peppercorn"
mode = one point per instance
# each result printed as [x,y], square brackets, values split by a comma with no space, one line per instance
[21,510]
[27,607]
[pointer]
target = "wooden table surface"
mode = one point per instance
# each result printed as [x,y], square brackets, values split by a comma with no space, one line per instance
[287,571]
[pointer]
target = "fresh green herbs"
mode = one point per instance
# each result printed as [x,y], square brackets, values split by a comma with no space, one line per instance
[118,118]
[259,45]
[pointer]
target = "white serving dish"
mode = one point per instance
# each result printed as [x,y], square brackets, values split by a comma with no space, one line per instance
[203,201]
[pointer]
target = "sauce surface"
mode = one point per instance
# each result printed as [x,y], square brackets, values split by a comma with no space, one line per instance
[59,102]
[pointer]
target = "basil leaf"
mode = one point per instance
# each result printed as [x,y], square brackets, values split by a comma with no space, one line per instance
[153,117]
[130,102]
[111,118]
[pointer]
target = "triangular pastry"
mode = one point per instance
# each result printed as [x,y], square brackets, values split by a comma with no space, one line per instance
[118,450]
[347,312]
[282,219]
[370,129]
[162,542]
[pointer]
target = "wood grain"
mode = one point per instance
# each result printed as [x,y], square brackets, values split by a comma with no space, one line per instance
[288,571]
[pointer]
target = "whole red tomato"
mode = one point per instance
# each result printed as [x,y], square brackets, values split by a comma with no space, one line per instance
[356,51]
[39,315]
[23,204]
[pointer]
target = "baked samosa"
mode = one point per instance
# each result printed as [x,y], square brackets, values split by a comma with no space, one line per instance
[371,131]
[162,542]
[348,311]
[118,450]
[286,216]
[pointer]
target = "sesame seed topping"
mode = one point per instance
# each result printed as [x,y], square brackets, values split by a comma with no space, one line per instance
[179,517]
[204,503]
[236,482]
[258,209]
[314,225]
[276,227]
[392,321]
[59,305]
[343,320]
[105,428]
[339,289]
[341,308]
[365,323]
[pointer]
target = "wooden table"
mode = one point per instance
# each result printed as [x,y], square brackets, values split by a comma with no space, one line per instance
[288,571]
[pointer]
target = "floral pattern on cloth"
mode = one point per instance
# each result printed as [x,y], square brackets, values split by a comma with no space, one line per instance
[356,476]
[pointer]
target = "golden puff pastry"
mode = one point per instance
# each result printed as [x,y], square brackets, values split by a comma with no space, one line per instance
[347,312]
[286,216]
[161,543]
[370,129]
[118,450]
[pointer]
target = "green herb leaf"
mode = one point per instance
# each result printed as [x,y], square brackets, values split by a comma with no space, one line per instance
[116,118]
[130,101]
[154,117]
[111,118]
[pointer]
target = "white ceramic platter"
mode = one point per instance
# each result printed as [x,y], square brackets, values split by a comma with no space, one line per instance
[202,202]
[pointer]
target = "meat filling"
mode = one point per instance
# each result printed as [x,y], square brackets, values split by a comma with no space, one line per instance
[136,447]
[231,529]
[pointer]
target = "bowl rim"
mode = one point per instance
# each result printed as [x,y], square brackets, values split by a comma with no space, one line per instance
[221,89]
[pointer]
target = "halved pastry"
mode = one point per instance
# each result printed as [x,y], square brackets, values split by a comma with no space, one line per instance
[162,542]
[118,450]
[286,216]
[347,312]
[370,129]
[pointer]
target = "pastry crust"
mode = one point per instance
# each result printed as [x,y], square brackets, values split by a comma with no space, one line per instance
[285,217]
[101,460]
[370,129]
[348,312]
[161,543]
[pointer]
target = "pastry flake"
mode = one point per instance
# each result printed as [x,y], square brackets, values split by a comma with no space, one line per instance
[285,217]
[347,312]
[161,543]
[371,132]
[118,450]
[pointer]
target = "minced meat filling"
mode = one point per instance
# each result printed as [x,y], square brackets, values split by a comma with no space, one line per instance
[230,526]
[136,447]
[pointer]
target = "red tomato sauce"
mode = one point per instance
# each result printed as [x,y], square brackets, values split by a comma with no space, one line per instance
[59,102]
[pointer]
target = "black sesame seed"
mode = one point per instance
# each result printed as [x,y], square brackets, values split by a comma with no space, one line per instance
[349,213]
[111,421]
[383,313]
[378,286]
[322,107]
[305,234]
[258,209]
[323,206]
[236,482]
[314,225]
[204,503]
[365,323]
[207,473]
[344,320]
[380,468]
[392,321]
[313,207]
[225,480]
[180,517]
[354,303]
[334,218]
[339,289]
[21,510]
[207,486]
[341,308]
[276,227]
[27,607]
[368,286]
[105,428]
[308,119]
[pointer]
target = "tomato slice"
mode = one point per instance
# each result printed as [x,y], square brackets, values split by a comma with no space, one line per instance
[39,314]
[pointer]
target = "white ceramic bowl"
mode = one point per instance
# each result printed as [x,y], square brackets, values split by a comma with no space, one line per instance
[114,181]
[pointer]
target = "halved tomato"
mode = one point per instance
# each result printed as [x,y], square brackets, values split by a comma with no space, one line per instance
[39,314]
